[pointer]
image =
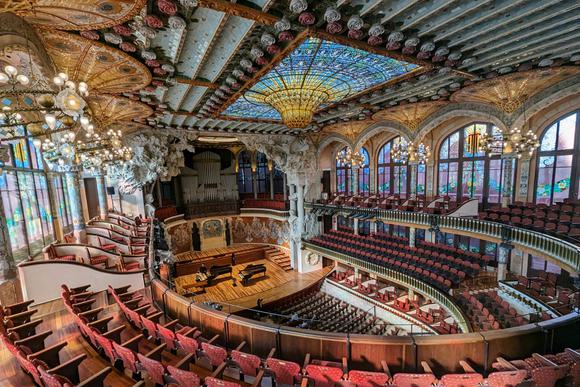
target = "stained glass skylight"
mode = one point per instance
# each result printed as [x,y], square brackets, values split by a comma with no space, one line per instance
[316,74]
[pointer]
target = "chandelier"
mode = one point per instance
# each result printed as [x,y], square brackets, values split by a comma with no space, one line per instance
[511,142]
[403,152]
[347,158]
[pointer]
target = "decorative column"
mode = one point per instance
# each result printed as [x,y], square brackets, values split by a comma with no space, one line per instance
[430,180]
[412,237]
[300,205]
[507,180]
[54,213]
[334,222]
[102,195]
[73,192]
[83,196]
[373,227]
[271,174]
[372,179]
[7,265]
[354,180]
[502,260]
[413,167]
[355,226]
[285,189]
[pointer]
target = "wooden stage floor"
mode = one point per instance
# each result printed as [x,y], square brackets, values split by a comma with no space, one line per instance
[276,284]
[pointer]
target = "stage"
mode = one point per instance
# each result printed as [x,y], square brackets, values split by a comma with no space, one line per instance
[276,284]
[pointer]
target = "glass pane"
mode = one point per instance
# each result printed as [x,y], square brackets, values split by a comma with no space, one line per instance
[561,182]
[384,180]
[444,152]
[567,133]
[471,135]
[472,179]
[494,181]
[454,145]
[14,215]
[21,159]
[544,184]
[548,141]
[421,179]
[385,154]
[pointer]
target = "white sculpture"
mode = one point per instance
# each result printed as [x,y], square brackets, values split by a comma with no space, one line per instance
[149,208]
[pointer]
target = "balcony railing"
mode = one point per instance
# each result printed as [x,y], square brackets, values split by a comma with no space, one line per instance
[225,207]
[565,253]
[397,277]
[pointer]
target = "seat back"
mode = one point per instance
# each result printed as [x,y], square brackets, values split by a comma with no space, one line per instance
[217,355]
[368,379]
[413,380]
[285,372]
[323,376]
[183,378]
[167,335]
[506,378]
[154,368]
[248,363]
[188,344]
[52,380]
[461,380]
[213,382]
[127,356]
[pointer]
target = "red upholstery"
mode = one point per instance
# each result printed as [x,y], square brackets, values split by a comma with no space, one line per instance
[28,366]
[52,380]
[67,258]
[323,376]
[506,378]
[128,357]
[99,260]
[150,326]
[183,378]
[546,376]
[213,382]
[368,379]
[217,355]
[286,372]
[461,380]
[413,380]
[154,369]
[248,363]
[109,246]
[188,344]
[105,345]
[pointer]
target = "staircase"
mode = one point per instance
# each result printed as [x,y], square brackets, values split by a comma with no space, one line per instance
[279,256]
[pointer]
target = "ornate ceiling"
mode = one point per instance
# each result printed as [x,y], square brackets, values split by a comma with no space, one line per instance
[110,109]
[189,60]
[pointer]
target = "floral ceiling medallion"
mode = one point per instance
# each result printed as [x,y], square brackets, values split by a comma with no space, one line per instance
[509,92]
[108,109]
[75,15]
[410,115]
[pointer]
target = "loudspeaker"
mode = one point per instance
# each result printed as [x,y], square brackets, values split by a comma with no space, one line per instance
[110,190]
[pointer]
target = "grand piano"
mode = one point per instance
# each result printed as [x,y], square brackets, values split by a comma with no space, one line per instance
[218,270]
[248,272]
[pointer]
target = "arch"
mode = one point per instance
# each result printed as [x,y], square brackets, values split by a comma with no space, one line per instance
[557,160]
[379,127]
[391,175]
[334,137]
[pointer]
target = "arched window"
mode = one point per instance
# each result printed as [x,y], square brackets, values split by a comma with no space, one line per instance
[557,168]
[262,173]
[392,176]
[465,171]
[364,174]
[343,185]
[245,172]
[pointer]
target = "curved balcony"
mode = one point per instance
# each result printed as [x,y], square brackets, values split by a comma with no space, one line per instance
[564,254]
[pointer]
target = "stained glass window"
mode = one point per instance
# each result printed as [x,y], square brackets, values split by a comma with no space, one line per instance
[364,175]
[340,70]
[262,173]
[465,171]
[391,175]
[245,183]
[557,161]
[343,177]
[278,181]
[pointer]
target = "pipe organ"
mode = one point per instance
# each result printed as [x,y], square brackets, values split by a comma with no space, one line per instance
[206,182]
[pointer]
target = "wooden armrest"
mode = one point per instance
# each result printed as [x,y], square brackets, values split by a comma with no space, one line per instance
[114,334]
[258,381]
[132,303]
[69,369]
[122,290]
[213,339]
[133,343]
[271,353]
[101,325]
[84,304]
[142,309]
[426,368]
[22,317]
[306,361]
[219,370]
[183,364]
[239,347]
[543,360]
[26,329]
[573,353]
[155,353]
[96,380]
[80,289]
[154,316]
[344,365]
[125,297]
[304,382]
[84,295]
[504,363]
[386,368]
[91,315]
[49,355]
[167,378]
[18,307]
[467,368]
[34,342]
[171,324]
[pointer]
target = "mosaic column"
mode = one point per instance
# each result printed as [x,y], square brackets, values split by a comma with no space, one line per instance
[412,236]
[354,180]
[54,205]
[102,195]
[507,181]
[413,178]
[355,226]
[373,227]
[284,182]
[271,174]
[7,265]
[73,192]
[502,260]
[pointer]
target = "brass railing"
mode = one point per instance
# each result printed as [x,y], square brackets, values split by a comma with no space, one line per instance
[399,278]
[566,253]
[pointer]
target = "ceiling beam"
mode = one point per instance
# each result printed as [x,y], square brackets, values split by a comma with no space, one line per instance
[197,82]
[239,10]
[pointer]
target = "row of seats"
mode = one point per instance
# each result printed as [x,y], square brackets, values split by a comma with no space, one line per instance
[322,373]
[544,288]
[21,336]
[488,311]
